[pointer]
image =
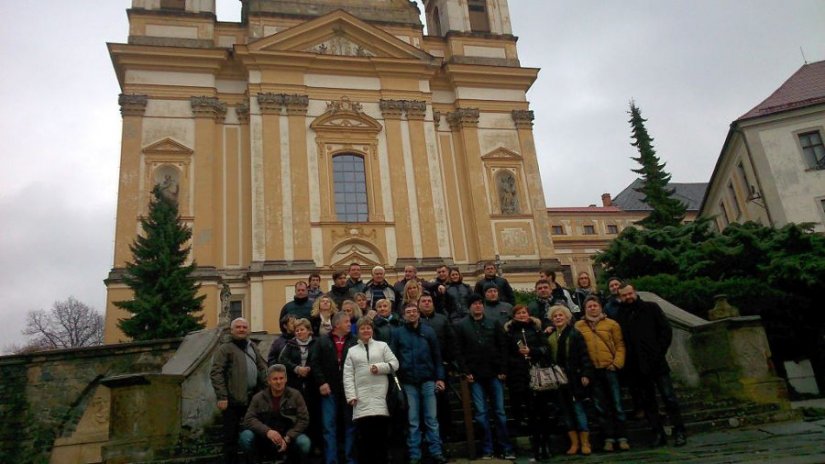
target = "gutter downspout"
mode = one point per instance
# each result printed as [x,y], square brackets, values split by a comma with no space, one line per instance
[755,172]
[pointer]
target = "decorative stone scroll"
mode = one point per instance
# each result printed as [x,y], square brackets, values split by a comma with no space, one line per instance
[416,109]
[296,104]
[208,107]
[270,102]
[523,118]
[463,117]
[132,104]
[344,104]
[340,46]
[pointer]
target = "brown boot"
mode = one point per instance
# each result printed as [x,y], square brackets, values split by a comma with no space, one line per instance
[585,441]
[574,442]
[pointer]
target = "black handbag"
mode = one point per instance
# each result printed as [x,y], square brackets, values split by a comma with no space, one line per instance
[396,398]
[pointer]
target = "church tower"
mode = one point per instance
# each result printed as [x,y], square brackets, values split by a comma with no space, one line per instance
[316,133]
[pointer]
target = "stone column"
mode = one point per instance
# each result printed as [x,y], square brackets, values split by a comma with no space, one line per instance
[132,108]
[296,110]
[207,210]
[523,120]
[246,184]
[392,111]
[464,124]
[416,110]
[270,105]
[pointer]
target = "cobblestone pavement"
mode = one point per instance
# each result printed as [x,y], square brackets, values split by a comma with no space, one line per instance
[783,443]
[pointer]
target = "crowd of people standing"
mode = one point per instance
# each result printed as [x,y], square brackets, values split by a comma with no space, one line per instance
[324,386]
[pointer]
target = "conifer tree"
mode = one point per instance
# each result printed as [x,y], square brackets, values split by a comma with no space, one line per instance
[165,299]
[667,211]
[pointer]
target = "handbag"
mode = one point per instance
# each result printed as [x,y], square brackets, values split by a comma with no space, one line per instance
[547,378]
[396,398]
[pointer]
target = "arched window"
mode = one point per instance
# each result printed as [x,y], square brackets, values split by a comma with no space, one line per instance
[350,183]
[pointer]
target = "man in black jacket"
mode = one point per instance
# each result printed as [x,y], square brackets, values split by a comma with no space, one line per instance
[446,343]
[482,358]
[647,336]
[328,368]
[505,291]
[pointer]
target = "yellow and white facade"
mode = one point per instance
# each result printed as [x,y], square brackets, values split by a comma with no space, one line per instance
[317,133]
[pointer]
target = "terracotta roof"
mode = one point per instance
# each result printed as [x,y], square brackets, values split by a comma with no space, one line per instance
[804,88]
[690,194]
[584,209]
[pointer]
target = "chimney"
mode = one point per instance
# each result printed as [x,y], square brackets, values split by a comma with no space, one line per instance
[606,200]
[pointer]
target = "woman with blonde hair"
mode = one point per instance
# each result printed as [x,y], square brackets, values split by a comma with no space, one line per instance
[412,292]
[321,315]
[568,350]
[350,307]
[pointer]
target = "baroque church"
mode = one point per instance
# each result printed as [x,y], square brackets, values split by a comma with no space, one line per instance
[316,133]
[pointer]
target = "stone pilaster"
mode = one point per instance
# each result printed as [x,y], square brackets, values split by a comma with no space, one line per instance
[391,109]
[270,103]
[463,118]
[415,109]
[296,105]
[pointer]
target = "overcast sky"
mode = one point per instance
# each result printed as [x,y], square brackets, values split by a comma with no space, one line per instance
[692,66]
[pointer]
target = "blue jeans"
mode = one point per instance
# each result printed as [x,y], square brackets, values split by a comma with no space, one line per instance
[573,413]
[296,452]
[608,396]
[492,389]
[334,411]
[421,398]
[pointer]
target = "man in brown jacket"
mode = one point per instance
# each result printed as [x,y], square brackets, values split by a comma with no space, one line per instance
[238,370]
[276,420]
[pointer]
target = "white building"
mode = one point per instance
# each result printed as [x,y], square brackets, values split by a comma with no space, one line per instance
[772,165]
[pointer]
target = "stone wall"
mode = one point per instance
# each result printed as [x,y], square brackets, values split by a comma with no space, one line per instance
[54,401]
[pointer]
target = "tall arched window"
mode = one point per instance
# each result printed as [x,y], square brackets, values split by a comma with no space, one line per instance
[350,183]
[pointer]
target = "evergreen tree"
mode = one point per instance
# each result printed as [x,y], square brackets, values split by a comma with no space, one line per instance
[165,299]
[667,211]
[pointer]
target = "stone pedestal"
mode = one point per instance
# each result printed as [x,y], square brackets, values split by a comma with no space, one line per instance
[145,416]
[733,359]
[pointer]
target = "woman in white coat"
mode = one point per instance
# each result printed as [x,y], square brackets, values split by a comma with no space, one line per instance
[365,387]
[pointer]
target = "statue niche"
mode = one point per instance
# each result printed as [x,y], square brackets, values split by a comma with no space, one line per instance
[168,178]
[507,193]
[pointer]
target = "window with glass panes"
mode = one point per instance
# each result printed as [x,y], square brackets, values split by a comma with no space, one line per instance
[350,182]
[812,149]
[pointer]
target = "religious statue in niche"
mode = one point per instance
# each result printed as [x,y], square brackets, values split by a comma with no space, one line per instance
[168,179]
[507,194]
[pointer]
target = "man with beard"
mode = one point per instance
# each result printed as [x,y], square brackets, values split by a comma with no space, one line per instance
[647,335]
[238,370]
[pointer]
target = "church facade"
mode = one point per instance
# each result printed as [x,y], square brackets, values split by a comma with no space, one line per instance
[314,134]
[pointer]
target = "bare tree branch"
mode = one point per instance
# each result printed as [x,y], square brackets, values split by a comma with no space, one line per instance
[68,324]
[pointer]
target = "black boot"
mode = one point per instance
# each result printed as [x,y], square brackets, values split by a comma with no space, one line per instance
[679,438]
[659,439]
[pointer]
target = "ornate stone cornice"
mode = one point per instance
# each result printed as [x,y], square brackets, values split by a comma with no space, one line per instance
[463,117]
[242,111]
[523,118]
[208,107]
[271,103]
[414,109]
[132,104]
[274,103]
[296,104]
[391,108]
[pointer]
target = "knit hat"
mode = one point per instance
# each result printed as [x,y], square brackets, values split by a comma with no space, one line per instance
[473,298]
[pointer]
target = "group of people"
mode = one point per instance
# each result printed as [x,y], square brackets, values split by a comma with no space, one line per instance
[326,380]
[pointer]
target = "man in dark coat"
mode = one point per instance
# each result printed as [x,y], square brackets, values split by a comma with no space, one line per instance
[505,291]
[446,343]
[647,336]
[238,370]
[482,358]
[328,358]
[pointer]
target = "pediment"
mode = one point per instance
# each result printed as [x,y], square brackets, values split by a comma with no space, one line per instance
[355,251]
[345,115]
[502,153]
[168,146]
[339,33]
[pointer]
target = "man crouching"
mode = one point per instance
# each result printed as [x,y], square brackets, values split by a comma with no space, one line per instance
[276,420]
